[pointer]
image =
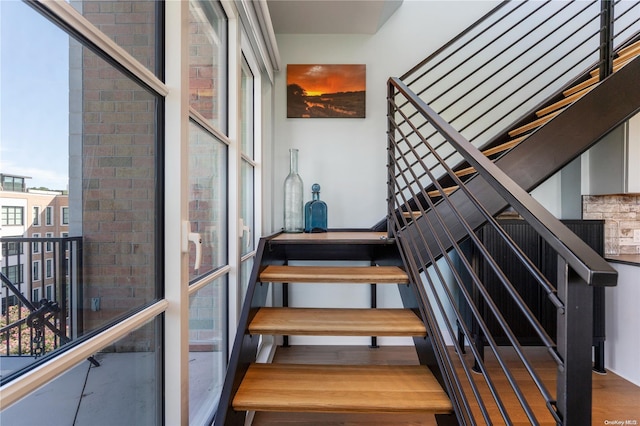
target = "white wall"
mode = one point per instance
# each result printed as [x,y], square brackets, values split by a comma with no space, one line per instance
[622,345]
[347,157]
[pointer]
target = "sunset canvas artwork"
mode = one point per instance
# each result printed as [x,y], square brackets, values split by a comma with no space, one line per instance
[329,91]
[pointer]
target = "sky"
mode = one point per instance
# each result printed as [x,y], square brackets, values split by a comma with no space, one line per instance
[34,97]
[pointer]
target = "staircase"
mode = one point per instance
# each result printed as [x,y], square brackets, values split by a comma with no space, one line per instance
[458,157]
[331,388]
[519,135]
[448,176]
[539,145]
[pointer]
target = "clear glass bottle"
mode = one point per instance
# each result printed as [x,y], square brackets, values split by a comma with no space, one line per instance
[293,198]
[315,212]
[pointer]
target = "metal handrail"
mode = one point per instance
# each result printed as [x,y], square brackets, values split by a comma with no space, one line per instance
[583,259]
[493,103]
[578,255]
[433,131]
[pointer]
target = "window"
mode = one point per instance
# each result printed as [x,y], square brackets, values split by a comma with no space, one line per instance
[207,202]
[64,215]
[15,273]
[48,268]
[101,145]
[13,183]
[96,156]
[36,216]
[207,62]
[48,216]
[247,171]
[35,295]
[35,245]
[208,180]
[48,244]
[11,249]
[105,120]
[35,270]
[12,216]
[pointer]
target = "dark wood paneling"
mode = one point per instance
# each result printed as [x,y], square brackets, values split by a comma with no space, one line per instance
[545,259]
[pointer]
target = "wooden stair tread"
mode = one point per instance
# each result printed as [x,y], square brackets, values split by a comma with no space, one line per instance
[334,274]
[466,171]
[341,389]
[447,191]
[564,102]
[630,51]
[337,322]
[625,56]
[412,215]
[504,147]
[534,124]
[617,64]
[589,82]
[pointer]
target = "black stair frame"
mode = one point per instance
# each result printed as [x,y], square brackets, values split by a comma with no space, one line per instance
[554,145]
[384,252]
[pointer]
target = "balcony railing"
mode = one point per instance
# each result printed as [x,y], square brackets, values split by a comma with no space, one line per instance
[39,294]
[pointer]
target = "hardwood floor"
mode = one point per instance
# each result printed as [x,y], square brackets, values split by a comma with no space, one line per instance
[614,399]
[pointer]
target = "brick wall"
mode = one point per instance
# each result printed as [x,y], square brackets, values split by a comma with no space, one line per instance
[621,214]
[119,173]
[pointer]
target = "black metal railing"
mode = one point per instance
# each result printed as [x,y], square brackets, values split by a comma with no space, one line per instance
[465,96]
[428,230]
[37,294]
[504,66]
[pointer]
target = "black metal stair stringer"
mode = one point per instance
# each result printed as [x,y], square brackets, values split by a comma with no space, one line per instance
[550,148]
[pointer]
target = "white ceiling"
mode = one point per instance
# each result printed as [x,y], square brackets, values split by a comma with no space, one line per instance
[330,16]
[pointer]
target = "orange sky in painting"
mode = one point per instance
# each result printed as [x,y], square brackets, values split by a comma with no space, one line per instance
[318,79]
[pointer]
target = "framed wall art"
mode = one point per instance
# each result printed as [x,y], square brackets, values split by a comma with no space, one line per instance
[326,91]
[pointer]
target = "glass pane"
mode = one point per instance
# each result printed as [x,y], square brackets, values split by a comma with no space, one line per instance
[132,24]
[207,61]
[126,386]
[85,135]
[207,348]
[119,182]
[246,106]
[207,203]
[245,275]
[247,208]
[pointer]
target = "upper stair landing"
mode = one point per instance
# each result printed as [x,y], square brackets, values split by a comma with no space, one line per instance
[347,245]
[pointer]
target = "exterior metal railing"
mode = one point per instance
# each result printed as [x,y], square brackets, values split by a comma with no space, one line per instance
[39,306]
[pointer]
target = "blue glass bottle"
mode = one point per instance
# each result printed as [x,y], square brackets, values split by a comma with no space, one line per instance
[315,212]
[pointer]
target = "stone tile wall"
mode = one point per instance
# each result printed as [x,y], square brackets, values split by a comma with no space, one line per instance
[621,214]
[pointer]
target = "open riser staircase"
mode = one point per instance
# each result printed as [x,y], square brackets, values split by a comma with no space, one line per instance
[535,150]
[459,157]
[332,388]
